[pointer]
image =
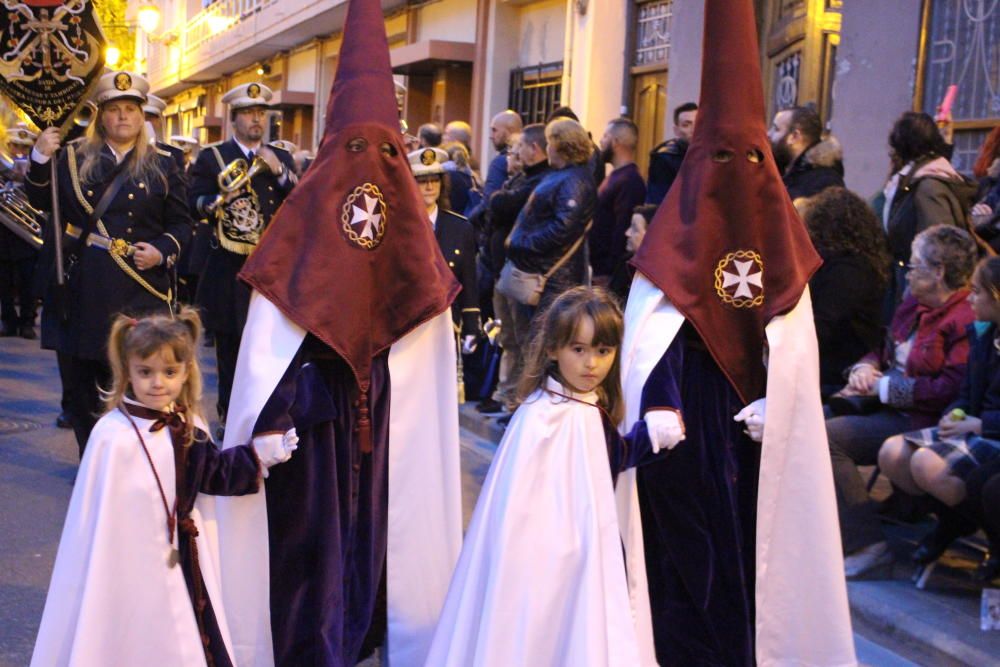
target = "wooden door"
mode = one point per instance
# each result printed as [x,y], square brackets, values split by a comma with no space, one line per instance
[650,105]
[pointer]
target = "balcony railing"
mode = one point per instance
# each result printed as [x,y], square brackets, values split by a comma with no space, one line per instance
[217,18]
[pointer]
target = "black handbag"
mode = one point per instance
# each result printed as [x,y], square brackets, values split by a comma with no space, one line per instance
[853,405]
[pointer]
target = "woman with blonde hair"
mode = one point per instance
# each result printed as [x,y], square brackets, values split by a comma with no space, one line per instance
[124,211]
[549,237]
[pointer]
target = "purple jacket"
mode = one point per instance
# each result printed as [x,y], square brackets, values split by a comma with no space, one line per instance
[937,360]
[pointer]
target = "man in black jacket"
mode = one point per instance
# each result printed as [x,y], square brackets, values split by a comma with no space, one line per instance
[239,218]
[665,160]
[501,211]
[809,162]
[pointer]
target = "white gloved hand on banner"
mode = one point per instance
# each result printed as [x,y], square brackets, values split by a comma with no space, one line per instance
[753,416]
[275,448]
[665,429]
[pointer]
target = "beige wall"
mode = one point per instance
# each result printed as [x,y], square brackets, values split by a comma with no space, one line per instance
[302,71]
[595,61]
[541,33]
[451,20]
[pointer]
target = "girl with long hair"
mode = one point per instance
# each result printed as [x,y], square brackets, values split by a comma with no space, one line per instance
[136,573]
[542,578]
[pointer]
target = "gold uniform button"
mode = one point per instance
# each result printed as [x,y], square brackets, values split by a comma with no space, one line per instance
[129,230]
[130,214]
[271,202]
[142,186]
[131,196]
[451,264]
[270,188]
[457,251]
[90,193]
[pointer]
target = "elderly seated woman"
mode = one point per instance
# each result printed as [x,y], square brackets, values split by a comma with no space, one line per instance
[939,461]
[903,386]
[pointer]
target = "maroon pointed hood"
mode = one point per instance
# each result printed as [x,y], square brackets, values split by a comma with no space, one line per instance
[351,255]
[727,247]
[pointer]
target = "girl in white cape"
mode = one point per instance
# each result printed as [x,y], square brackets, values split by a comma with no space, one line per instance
[541,579]
[136,573]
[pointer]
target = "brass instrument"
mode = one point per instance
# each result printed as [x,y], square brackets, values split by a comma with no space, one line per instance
[236,176]
[85,114]
[19,216]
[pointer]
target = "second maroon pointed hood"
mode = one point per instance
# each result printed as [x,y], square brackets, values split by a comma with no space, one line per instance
[727,246]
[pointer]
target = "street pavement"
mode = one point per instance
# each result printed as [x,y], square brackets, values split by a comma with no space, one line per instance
[38,464]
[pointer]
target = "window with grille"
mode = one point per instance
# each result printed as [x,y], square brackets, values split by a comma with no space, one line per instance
[960,48]
[535,91]
[652,43]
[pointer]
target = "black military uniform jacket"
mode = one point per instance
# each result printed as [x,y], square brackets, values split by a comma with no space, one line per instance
[102,283]
[223,299]
[177,154]
[457,240]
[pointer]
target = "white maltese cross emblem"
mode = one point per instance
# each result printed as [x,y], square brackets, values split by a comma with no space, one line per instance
[363,217]
[739,279]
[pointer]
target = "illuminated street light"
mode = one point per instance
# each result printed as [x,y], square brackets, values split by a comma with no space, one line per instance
[112,55]
[149,18]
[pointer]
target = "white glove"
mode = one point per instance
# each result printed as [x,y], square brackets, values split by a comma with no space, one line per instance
[753,416]
[275,448]
[665,429]
[469,344]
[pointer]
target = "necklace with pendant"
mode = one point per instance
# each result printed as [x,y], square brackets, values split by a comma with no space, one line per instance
[174,557]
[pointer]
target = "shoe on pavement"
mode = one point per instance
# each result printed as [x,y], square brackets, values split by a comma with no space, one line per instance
[28,332]
[864,561]
[491,407]
[63,421]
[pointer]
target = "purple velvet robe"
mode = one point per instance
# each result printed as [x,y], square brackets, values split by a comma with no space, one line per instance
[327,512]
[698,507]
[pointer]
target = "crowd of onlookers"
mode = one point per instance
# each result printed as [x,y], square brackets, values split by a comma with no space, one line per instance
[906,303]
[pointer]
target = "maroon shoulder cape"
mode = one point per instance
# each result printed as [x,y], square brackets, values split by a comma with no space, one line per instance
[351,256]
[727,247]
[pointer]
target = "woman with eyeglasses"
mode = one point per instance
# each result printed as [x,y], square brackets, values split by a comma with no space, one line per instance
[903,386]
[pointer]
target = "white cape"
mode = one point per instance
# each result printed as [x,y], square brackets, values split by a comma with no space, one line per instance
[113,600]
[425,502]
[801,595]
[541,579]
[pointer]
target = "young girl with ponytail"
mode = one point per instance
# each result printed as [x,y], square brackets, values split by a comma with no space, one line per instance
[136,577]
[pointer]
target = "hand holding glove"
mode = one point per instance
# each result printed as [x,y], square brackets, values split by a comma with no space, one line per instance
[665,429]
[275,448]
[753,416]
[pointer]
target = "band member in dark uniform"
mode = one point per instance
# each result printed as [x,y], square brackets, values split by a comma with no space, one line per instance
[124,210]
[153,111]
[457,240]
[17,255]
[239,216]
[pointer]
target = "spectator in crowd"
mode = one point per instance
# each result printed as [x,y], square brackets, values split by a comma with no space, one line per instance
[461,178]
[937,461]
[502,210]
[548,235]
[595,162]
[461,132]
[665,160]
[621,279]
[430,135]
[503,125]
[617,198]
[903,386]
[847,289]
[809,163]
[924,190]
[982,500]
[986,212]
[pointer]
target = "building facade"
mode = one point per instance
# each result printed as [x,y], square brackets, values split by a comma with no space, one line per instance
[860,62]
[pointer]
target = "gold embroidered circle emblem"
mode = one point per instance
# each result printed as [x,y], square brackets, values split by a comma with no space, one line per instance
[123,81]
[364,216]
[739,279]
[253,90]
[427,157]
